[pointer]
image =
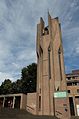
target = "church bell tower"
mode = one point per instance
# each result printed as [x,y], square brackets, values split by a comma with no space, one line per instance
[50,65]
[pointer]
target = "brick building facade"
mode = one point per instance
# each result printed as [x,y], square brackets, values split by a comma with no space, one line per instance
[72,80]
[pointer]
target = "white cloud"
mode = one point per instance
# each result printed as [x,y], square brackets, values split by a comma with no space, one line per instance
[4,76]
[18,19]
[26,54]
[16,65]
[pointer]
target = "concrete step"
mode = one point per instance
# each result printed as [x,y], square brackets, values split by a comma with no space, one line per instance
[6,113]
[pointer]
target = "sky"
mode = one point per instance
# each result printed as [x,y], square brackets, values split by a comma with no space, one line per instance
[18,21]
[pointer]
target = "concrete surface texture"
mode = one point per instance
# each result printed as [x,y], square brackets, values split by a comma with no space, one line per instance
[6,113]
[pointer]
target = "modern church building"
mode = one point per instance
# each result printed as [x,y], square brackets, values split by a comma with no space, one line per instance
[52,97]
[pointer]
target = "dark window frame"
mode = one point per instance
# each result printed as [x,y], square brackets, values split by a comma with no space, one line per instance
[49,62]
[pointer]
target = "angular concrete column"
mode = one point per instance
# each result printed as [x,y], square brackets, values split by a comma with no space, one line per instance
[13,102]
[3,101]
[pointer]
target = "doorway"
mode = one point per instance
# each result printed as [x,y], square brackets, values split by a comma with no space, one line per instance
[17,102]
[8,102]
[71,106]
[1,102]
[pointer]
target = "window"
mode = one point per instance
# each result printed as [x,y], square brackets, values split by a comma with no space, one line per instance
[74,83]
[46,31]
[69,84]
[59,57]
[69,78]
[77,90]
[49,62]
[68,91]
[39,103]
[77,83]
[40,90]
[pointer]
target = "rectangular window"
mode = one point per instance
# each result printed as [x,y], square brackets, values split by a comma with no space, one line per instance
[77,90]
[69,78]
[68,91]
[71,105]
[49,63]
[59,57]
[74,83]
[77,83]
[69,84]
[39,103]
[40,90]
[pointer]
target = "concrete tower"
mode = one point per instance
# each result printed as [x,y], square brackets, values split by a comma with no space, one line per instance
[50,65]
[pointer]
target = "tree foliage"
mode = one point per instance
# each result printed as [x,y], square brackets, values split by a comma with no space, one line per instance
[26,84]
[28,78]
[17,86]
[6,86]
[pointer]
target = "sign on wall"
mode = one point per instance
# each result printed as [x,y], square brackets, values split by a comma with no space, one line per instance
[60,94]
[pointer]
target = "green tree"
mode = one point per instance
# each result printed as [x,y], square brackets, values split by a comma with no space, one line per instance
[29,76]
[26,84]
[17,86]
[6,87]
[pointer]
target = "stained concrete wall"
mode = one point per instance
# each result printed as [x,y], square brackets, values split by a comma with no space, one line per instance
[62,108]
[31,103]
[23,101]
